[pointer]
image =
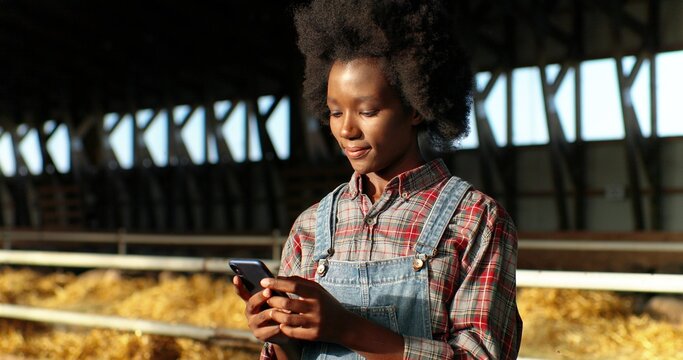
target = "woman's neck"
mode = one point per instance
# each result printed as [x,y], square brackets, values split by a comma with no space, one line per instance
[374,184]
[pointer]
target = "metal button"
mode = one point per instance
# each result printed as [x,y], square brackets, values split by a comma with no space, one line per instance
[370,221]
[405,195]
[321,269]
[418,264]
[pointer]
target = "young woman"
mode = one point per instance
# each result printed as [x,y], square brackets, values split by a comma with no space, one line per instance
[404,261]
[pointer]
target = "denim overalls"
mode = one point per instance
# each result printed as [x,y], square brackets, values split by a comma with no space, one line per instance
[392,292]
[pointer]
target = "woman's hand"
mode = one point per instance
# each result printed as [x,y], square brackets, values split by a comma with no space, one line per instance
[314,316]
[261,321]
[318,316]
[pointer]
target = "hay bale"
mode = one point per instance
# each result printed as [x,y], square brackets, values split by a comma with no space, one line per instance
[558,324]
[578,324]
[198,299]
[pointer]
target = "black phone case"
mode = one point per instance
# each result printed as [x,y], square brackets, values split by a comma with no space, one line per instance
[251,271]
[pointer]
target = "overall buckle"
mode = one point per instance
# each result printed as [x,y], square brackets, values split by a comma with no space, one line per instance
[419,261]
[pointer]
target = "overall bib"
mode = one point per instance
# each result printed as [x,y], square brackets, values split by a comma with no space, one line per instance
[393,292]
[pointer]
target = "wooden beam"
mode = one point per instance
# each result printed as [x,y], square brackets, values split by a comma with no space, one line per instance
[579,159]
[19,161]
[642,155]
[214,132]
[177,151]
[267,147]
[566,159]
[488,149]
[496,162]
[141,155]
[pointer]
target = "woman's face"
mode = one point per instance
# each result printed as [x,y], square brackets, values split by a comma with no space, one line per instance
[376,132]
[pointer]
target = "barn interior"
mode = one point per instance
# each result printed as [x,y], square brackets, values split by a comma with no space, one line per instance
[176,128]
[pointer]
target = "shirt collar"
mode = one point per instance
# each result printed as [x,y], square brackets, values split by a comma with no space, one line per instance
[409,182]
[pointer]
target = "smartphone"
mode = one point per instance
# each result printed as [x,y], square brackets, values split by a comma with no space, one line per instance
[251,271]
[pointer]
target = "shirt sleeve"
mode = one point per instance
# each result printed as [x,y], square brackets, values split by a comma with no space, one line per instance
[296,254]
[485,323]
[290,263]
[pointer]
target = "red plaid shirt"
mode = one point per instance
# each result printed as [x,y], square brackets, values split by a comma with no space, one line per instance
[472,278]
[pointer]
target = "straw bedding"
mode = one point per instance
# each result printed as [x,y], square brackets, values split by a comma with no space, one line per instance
[198,299]
[577,324]
[558,324]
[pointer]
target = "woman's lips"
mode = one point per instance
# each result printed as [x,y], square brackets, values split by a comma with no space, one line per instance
[356,152]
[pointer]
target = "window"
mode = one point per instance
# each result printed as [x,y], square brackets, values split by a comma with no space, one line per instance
[29,148]
[601,108]
[58,146]
[121,139]
[529,118]
[234,132]
[669,90]
[278,126]
[495,106]
[156,138]
[194,135]
[7,164]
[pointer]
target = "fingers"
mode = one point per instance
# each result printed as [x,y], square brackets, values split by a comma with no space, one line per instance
[241,290]
[294,285]
[302,318]
[265,333]
[256,301]
[265,328]
[260,322]
[300,333]
[292,319]
[289,305]
[297,326]
[261,319]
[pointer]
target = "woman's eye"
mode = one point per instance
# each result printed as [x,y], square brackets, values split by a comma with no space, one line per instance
[335,114]
[369,113]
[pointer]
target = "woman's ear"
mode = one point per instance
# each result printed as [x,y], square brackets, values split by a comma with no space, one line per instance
[416,118]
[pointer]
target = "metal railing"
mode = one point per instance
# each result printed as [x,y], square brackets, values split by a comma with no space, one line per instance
[275,240]
[601,245]
[140,326]
[656,283]
[631,282]
[122,239]
[120,261]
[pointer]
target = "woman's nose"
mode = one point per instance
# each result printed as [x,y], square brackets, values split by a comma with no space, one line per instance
[349,129]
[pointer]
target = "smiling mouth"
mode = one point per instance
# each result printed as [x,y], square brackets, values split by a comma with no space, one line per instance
[356,153]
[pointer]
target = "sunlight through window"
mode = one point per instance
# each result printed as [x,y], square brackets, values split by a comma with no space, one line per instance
[278,128]
[601,108]
[529,124]
[7,163]
[234,131]
[122,141]
[58,146]
[156,138]
[669,90]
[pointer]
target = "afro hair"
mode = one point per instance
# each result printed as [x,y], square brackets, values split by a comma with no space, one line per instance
[414,38]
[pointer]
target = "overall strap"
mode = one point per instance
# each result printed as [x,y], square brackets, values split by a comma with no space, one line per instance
[441,214]
[326,220]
